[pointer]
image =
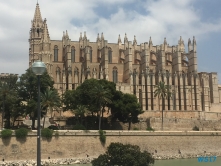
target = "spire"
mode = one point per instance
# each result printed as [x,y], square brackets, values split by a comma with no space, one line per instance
[125,38]
[85,36]
[119,39]
[46,37]
[80,38]
[135,40]
[67,34]
[102,36]
[189,45]
[165,41]
[150,41]
[194,40]
[98,37]
[37,20]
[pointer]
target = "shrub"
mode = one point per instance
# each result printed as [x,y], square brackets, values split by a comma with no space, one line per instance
[150,128]
[102,136]
[135,128]
[124,155]
[47,133]
[195,128]
[79,127]
[21,133]
[56,134]
[7,133]
[52,127]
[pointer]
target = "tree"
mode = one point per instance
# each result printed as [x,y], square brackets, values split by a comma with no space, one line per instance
[124,155]
[101,98]
[162,91]
[8,91]
[126,108]
[28,91]
[80,112]
[50,100]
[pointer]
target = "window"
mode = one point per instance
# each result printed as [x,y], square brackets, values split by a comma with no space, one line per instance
[91,55]
[55,53]
[115,75]
[72,54]
[109,56]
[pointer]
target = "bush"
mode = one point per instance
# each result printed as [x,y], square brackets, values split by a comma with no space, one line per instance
[150,128]
[21,133]
[102,136]
[46,133]
[79,127]
[52,127]
[56,134]
[195,128]
[124,155]
[7,133]
[135,128]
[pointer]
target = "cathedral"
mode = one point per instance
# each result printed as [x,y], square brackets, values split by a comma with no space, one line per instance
[135,68]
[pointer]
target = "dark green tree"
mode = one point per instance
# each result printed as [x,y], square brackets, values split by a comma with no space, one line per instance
[28,91]
[101,99]
[8,98]
[125,108]
[162,91]
[124,155]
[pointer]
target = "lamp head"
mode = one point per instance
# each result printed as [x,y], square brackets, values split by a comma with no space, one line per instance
[38,67]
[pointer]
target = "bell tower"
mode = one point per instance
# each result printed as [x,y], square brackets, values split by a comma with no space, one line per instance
[37,28]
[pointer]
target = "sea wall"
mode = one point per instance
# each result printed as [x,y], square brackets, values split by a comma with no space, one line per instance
[83,144]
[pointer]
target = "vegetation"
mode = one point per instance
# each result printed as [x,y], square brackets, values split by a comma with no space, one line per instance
[10,102]
[51,101]
[195,128]
[102,136]
[162,91]
[7,133]
[47,133]
[21,133]
[56,134]
[150,128]
[28,91]
[124,155]
[79,127]
[125,108]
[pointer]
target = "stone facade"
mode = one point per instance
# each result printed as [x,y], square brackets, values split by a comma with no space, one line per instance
[81,144]
[135,68]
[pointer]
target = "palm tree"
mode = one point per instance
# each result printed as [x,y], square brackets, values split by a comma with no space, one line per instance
[101,99]
[162,91]
[80,111]
[50,100]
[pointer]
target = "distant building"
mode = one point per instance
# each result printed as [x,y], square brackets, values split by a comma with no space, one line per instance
[135,69]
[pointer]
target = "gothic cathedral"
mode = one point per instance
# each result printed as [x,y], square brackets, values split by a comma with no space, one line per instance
[134,68]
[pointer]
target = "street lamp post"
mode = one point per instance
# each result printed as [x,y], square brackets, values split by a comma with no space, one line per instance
[38,68]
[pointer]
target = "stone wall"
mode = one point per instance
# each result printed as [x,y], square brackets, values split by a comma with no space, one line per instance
[79,144]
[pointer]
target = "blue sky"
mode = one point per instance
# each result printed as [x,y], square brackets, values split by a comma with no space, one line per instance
[143,18]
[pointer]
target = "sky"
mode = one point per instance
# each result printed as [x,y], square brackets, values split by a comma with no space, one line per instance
[142,18]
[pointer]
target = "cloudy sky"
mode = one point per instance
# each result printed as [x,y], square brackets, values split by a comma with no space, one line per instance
[143,18]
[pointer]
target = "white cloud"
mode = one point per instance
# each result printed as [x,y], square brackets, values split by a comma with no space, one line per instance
[164,18]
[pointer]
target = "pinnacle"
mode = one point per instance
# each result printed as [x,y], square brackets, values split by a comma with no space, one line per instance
[37,16]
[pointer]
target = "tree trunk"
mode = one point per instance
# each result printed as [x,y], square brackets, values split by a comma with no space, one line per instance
[43,123]
[129,126]
[33,123]
[3,111]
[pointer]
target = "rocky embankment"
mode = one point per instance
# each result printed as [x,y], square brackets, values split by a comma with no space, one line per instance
[47,162]
[50,162]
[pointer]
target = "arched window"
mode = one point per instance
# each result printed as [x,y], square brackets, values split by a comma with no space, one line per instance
[55,53]
[109,55]
[72,54]
[90,54]
[115,75]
